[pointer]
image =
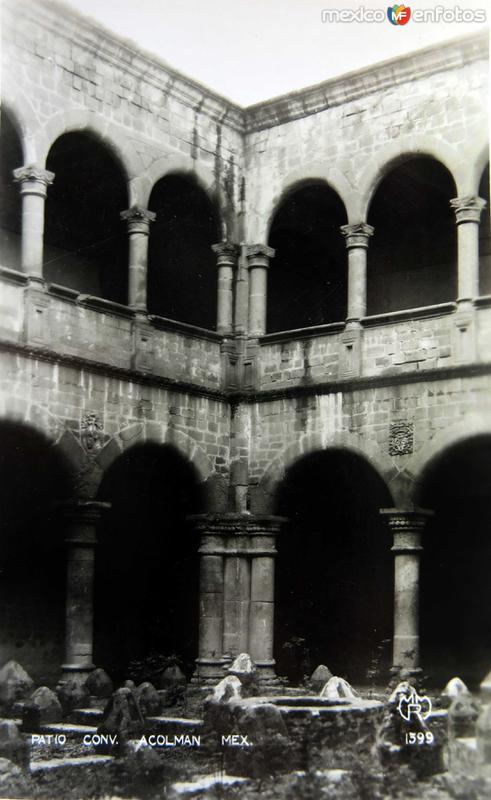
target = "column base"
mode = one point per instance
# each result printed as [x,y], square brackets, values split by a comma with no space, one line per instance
[76,672]
[209,671]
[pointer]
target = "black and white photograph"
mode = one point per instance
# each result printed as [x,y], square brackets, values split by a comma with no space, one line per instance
[245,400]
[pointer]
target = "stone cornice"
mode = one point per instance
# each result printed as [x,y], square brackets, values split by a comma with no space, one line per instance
[353,85]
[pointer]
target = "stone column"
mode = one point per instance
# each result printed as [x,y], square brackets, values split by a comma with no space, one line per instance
[209,663]
[236,603]
[407,528]
[226,254]
[138,220]
[357,237]
[261,621]
[236,591]
[34,183]
[258,257]
[467,214]
[81,520]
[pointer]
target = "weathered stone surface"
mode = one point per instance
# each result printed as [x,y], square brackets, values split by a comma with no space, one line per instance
[13,782]
[122,716]
[338,689]
[72,693]
[99,683]
[462,716]
[15,683]
[172,676]
[12,745]
[42,708]
[148,699]
[269,747]
[227,689]
[320,676]
[483,736]
[454,688]
[244,668]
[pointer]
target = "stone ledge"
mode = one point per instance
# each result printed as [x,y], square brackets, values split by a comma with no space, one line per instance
[408,314]
[302,333]
[163,323]
[14,276]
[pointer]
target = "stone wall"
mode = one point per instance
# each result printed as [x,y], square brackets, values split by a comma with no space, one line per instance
[350,131]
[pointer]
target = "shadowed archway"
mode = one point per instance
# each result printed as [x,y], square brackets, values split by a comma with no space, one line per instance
[455,587]
[334,569]
[412,257]
[307,279]
[146,589]
[34,478]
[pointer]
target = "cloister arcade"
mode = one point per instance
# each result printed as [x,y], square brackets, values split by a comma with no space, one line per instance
[405,255]
[259,396]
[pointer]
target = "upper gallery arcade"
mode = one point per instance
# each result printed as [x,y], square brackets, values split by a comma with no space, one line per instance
[274,322]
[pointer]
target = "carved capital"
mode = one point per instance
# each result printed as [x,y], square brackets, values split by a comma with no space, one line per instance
[467,209]
[33,179]
[357,235]
[138,219]
[407,527]
[226,253]
[258,255]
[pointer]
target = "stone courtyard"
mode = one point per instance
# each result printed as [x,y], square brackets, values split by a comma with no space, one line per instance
[245,410]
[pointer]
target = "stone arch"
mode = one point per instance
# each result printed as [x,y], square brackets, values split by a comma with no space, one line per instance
[315,171]
[393,477]
[19,107]
[389,156]
[470,427]
[157,433]
[109,135]
[173,164]
[479,165]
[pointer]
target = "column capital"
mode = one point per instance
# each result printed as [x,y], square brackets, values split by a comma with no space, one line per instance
[468,208]
[138,219]
[407,525]
[226,253]
[33,179]
[357,235]
[258,255]
[82,514]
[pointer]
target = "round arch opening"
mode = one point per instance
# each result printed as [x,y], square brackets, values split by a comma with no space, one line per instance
[10,201]
[85,241]
[146,582]
[412,257]
[334,579]
[33,480]
[182,273]
[455,605]
[307,278]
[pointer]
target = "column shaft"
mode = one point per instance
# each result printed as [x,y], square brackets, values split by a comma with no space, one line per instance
[138,220]
[258,257]
[468,213]
[407,528]
[236,604]
[81,519]
[357,237]
[226,263]
[34,184]
[262,610]
[211,607]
